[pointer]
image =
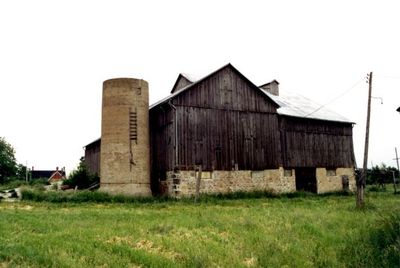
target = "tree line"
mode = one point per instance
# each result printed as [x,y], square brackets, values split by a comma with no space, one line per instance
[11,171]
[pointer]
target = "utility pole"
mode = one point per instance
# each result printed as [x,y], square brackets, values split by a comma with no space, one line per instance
[397,159]
[361,182]
[198,181]
[26,171]
[398,171]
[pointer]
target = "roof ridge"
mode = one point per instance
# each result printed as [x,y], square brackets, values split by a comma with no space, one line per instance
[202,79]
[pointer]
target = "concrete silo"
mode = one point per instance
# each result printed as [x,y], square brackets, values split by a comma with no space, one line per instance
[125,148]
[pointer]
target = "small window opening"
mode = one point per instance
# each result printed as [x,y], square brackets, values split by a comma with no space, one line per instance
[331,172]
[287,173]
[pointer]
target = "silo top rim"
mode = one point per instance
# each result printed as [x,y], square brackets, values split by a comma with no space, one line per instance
[123,79]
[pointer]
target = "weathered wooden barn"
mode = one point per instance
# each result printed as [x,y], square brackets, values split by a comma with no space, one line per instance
[244,138]
[92,156]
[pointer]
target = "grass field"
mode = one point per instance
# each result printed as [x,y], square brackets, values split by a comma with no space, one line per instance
[312,231]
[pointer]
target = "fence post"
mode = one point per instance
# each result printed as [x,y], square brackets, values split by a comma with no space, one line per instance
[198,180]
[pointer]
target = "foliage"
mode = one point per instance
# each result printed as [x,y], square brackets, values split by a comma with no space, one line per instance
[39,182]
[12,184]
[302,231]
[381,174]
[375,188]
[81,177]
[102,197]
[80,197]
[36,184]
[8,164]
[9,169]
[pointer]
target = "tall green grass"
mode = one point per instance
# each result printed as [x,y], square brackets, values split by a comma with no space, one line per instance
[377,245]
[33,184]
[219,231]
[102,197]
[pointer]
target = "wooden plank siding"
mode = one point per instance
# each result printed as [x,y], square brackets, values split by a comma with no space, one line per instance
[227,90]
[92,157]
[162,139]
[316,143]
[223,122]
[181,82]
[225,140]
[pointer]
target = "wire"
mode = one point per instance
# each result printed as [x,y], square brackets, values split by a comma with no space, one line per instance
[336,98]
[388,76]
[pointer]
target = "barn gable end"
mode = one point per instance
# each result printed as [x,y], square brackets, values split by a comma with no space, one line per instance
[221,122]
[181,82]
[226,89]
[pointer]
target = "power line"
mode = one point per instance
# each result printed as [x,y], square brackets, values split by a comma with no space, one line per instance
[336,98]
[389,76]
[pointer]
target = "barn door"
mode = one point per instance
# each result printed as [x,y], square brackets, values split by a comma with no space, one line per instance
[306,179]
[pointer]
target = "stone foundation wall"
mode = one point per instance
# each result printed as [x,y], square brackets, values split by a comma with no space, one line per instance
[326,183]
[183,183]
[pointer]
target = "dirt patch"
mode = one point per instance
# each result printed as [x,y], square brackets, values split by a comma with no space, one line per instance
[250,262]
[27,207]
[21,207]
[145,245]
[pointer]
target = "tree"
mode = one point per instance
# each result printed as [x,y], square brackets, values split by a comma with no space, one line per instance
[81,177]
[8,163]
[381,174]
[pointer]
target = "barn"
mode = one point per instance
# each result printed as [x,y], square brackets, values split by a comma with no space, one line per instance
[92,156]
[237,136]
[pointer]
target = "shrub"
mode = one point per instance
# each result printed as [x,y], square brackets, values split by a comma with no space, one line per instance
[12,184]
[381,174]
[81,177]
[375,188]
[101,197]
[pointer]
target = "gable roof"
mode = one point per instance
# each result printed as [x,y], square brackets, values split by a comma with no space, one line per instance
[273,81]
[176,93]
[39,174]
[296,105]
[189,79]
[57,175]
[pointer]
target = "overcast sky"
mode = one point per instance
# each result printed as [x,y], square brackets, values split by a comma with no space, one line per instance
[54,56]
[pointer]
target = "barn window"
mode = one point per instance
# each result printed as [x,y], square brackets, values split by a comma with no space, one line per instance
[133,126]
[287,173]
[331,172]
